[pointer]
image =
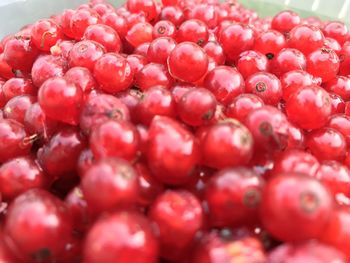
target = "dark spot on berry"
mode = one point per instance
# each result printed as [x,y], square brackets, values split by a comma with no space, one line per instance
[161,30]
[251,198]
[270,56]
[208,115]
[42,255]
[266,128]
[260,86]
[200,42]
[82,48]
[309,202]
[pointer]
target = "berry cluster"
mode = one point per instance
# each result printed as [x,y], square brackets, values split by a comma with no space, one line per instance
[187,131]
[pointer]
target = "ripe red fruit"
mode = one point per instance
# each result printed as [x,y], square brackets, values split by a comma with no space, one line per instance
[61,100]
[176,235]
[341,123]
[215,52]
[148,7]
[113,73]
[225,83]
[80,20]
[82,78]
[138,243]
[188,62]
[295,207]
[337,30]
[159,50]
[85,54]
[17,107]
[164,28]
[151,75]
[38,226]
[250,62]
[285,21]
[270,43]
[116,181]
[234,140]
[139,34]
[238,188]
[45,33]
[340,85]
[286,60]
[291,81]
[172,151]
[117,22]
[173,14]
[309,107]
[344,57]
[193,30]
[105,35]
[16,87]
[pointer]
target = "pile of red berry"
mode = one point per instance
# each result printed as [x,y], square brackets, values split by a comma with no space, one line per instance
[187,131]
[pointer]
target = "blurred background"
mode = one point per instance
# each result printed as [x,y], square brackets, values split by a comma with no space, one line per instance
[16,13]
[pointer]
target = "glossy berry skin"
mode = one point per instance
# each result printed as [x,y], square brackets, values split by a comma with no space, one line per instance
[100,244]
[85,54]
[45,33]
[327,144]
[136,62]
[14,140]
[295,161]
[142,49]
[269,127]
[340,85]
[82,78]
[206,13]
[172,151]
[242,105]
[151,75]
[234,140]
[176,235]
[16,87]
[197,107]
[336,30]
[64,147]
[80,20]
[235,39]
[251,62]
[16,107]
[159,50]
[341,123]
[155,101]
[139,34]
[295,207]
[323,63]
[101,108]
[291,81]
[105,35]
[331,43]
[309,251]
[285,21]
[61,100]
[215,52]
[117,182]
[5,69]
[173,14]
[225,83]
[306,38]
[338,104]
[115,139]
[309,108]
[29,228]
[270,43]
[113,73]
[188,62]
[47,66]
[286,60]
[148,7]
[193,30]
[233,187]
[19,175]
[344,56]
[117,22]
[20,53]
[266,86]
[164,28]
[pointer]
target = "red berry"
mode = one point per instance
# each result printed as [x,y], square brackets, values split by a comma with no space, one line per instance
[17,107]
[85,54]
[16,87]
[285,21]
[148,7]
[286,60]
[80,20]
[136,62]
[140,33]
[164,28]
[340,85]
[250,62]
[341,123]
[291,81]
[82,78]
[344,58]
[270,43]
[105,35]
[173,14]
[215,52]
[337,30]
[206,13]
[193,30]
[117,22]
[338,104]
[151,75]
[45,33]
[159,50]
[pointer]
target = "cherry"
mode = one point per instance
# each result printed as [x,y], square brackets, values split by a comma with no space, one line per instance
[340,85]
[341,123]
[235,39]
[172,151]
[105,35]
[101,108]
[309,107]
[265,85]
[155,101]
[173,14]
[82,78]
[117,182]
[295,207]
[80,20]
[285,21]
[151,75]
[148,7]
[138,243]
[337,30]
[306,38]
[14,140]
[225,83]
[29,229]
[193,30]
[197,107]
[288,59]
[323,63]
[250,62]
[117,22]
[293,80]
[234,140]
[45,33]
[188,62]
[164,28]
[270,43]
[242,105]
[233,187]
[159,50]
[85,54]
[327,144]
[269,127]
[114,139]
[19,175]
[48,66]
[61,100]
[308,251]
[16,87]
[113,73]
[176,235]
[64,147]
[215,52]
[17,107]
